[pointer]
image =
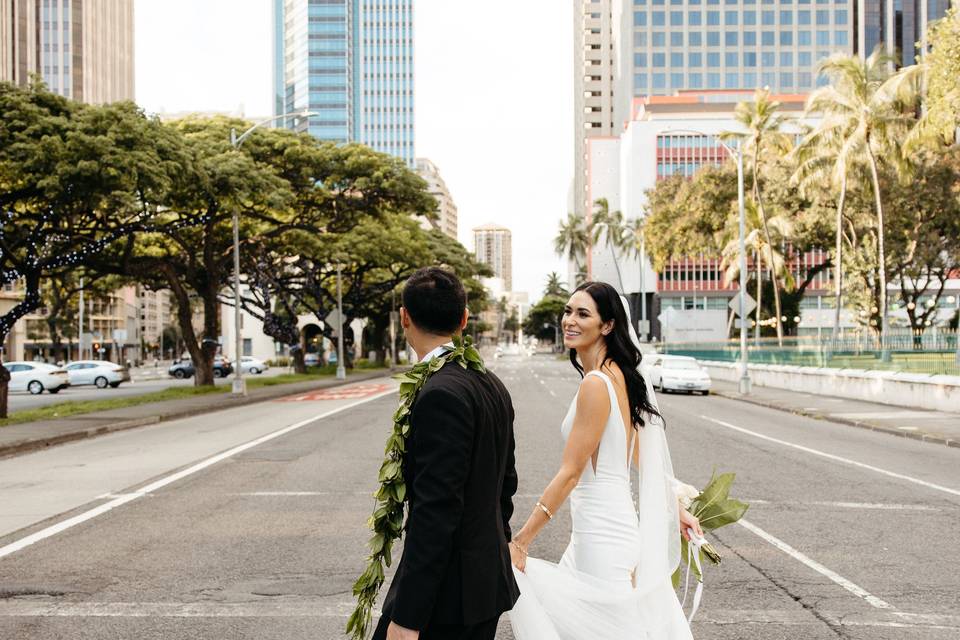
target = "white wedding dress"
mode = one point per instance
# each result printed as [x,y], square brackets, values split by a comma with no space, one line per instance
[613,581]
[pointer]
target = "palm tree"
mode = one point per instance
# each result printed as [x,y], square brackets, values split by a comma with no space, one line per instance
[609,226]
[637,248]
[766,252]
[572,240]
[555,286]
[862,99]
[826,154]
[762,122]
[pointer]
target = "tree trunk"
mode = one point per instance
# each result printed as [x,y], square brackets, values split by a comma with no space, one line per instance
[198,354]
[759,268]
[881,259]
[299,365]
[4,386]
[838,268]
[766,235]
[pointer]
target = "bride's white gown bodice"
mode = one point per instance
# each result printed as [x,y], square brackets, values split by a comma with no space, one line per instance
[590,594]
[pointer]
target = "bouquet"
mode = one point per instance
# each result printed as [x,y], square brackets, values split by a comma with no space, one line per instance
[714,508]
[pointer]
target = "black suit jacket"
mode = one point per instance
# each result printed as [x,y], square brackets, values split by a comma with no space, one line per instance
[461,477]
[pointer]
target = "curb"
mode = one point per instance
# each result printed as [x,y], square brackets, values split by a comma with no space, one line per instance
[912,435]
[278,391]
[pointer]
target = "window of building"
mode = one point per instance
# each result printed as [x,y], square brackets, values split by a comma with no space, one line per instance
[803,38]
[769,78]
[695,59]
[786,38]
[639,18]
[840,38]
[730,18]
[786,17]
[804,79]
[731,81]
[823,38]
[730,59]
[640,39]
[713,18]
[768,17]
[713,60]
[713,81]
[640,60]
[659,19]
[713,38]
[767,58]
[695,18]
[676,18]
[803,16]
[730,38]
[840,16]
[659,81]
[659,39]
[749,17]
[749,59]
[676,81]
[676,60]
[804,59]
[768,38]
[786,59]
[695,80]
[695,39]
[823,16]
[659,60]
[786,80]
[749,80]
[640,80]
[676,38]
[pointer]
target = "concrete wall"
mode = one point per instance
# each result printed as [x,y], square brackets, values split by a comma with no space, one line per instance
[934,392]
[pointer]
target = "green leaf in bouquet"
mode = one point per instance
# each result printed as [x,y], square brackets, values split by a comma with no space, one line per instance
[722,513]
[716,490]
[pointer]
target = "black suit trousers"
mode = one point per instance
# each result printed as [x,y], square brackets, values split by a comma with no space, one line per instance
[482,631]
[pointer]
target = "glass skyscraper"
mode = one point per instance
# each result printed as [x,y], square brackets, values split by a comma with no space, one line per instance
[735,44]
[350,62]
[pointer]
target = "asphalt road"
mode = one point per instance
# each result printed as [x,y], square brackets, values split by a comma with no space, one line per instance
[144,381]
[175,532]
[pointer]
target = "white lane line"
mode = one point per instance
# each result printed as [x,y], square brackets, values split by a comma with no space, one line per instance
[830,456]
[853,505]
[123,499]
[816,566]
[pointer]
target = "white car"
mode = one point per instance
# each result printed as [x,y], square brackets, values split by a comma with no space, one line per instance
[678,373]
[101,373]
[36,376]
[253,365]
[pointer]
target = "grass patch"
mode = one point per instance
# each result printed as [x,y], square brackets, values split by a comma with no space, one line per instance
[78,407]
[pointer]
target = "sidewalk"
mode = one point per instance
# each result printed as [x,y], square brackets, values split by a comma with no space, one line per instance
[30,436]
[929,426]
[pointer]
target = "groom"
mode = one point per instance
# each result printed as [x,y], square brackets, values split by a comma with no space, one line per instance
[454,579]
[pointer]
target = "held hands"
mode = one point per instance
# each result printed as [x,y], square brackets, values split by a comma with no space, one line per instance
[689,521]
[518,556]
[396,632]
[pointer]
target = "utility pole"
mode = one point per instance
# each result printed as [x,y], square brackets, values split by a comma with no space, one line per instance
[341,369]
[80,340]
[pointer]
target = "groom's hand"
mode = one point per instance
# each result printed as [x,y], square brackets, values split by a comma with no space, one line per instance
[396,632]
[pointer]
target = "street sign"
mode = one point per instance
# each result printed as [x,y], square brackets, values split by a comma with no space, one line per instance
[333,320]
[748,302]
[86,340]
[119,335]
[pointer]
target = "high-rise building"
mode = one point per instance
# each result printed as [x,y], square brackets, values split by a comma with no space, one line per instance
[593,85]
[446,221]
[492,246]
[734,45]
[83,49]
[907,22]
[351,63]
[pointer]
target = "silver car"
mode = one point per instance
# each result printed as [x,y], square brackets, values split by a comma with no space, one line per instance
[101,373]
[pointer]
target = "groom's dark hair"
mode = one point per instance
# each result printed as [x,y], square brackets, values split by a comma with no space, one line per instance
[435,300]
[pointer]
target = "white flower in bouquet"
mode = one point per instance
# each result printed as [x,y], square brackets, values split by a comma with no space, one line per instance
[686,493]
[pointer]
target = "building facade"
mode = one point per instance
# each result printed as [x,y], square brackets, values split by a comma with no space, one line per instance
[492,245]
[349,62]
[83,49]
[446,221]
[906,21]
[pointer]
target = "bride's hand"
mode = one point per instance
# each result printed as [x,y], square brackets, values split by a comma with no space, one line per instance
[689,521]
[518,556]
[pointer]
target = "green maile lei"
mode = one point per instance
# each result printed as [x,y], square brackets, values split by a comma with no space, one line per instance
[387,519]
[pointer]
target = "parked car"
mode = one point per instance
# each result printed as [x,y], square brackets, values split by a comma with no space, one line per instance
[183,368]
[311,359]
[252,365]
[97,372]
[678,373]
[36,376]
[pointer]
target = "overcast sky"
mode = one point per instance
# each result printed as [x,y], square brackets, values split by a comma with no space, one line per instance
[494,103]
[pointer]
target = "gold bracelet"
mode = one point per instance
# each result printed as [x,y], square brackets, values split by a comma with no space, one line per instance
[545,510]
[519,548]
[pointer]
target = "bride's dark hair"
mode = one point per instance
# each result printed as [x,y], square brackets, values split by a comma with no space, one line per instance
[620,349]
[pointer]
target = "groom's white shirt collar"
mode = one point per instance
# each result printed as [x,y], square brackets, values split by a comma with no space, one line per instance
[436,352]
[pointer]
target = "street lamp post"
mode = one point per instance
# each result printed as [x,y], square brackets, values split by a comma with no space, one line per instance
[239,383]
[643,289]
[744,382]
[341,370]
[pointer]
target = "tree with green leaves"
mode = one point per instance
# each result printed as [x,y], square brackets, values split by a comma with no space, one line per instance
[573,241]
[940,66]
[609,227]
[555,286]
[862,102]
[75,178]
[543,319]
[763,135]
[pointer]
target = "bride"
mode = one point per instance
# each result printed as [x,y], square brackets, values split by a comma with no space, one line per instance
[613,581]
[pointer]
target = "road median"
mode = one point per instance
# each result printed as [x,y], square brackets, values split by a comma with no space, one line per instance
[24,437]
